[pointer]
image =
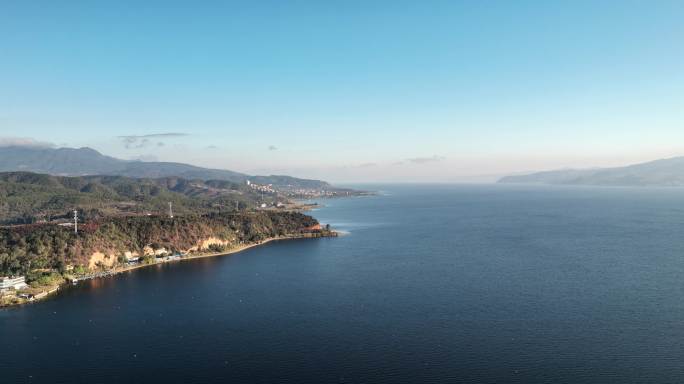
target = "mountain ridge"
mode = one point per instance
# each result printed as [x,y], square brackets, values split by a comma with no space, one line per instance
[86,161]
[661,172]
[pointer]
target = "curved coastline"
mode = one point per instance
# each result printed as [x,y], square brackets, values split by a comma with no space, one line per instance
[53,290]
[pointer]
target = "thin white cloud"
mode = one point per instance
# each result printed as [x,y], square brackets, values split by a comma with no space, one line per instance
[425,160]
[24,142]
[142,141]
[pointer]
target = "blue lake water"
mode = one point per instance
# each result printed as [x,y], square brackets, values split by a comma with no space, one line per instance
[438,283]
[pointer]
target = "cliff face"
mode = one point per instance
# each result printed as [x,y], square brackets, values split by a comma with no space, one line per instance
[113,256]
[105,241]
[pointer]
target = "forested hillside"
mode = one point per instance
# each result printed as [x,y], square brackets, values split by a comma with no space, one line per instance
[29,197]
[31,247]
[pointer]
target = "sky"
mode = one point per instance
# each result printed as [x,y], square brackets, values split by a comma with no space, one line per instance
[349,91]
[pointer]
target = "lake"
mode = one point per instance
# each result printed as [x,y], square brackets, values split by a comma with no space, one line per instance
[430,283]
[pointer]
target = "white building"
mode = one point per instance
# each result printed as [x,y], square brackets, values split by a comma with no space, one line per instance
[14,282]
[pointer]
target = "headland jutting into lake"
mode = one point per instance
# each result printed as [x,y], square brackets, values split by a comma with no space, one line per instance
[60,229]
[47,256]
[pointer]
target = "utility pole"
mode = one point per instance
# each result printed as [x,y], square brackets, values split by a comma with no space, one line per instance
[76,222]
[170,210]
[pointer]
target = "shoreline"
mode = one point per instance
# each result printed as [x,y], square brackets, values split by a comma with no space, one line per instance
[50,291]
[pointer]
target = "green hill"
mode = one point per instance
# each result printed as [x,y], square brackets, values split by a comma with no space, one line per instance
[29,197]
[31,247]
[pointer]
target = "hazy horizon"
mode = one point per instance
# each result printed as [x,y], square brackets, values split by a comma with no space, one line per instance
[437,91]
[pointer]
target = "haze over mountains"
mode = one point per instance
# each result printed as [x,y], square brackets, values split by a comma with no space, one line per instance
[87,161]
[666,172]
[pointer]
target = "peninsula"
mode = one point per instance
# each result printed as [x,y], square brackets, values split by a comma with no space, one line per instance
[123,223]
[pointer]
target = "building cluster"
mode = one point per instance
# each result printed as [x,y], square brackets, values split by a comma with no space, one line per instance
[275,204]
[312,193]
[292,191]
[268,188]
[12,283]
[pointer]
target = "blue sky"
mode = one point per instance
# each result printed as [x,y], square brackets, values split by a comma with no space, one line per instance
[349,91]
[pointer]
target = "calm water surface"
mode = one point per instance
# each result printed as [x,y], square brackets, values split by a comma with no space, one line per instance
[432,284]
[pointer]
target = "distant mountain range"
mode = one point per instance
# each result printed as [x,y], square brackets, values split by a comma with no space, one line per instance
[87,161]
[666,172]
